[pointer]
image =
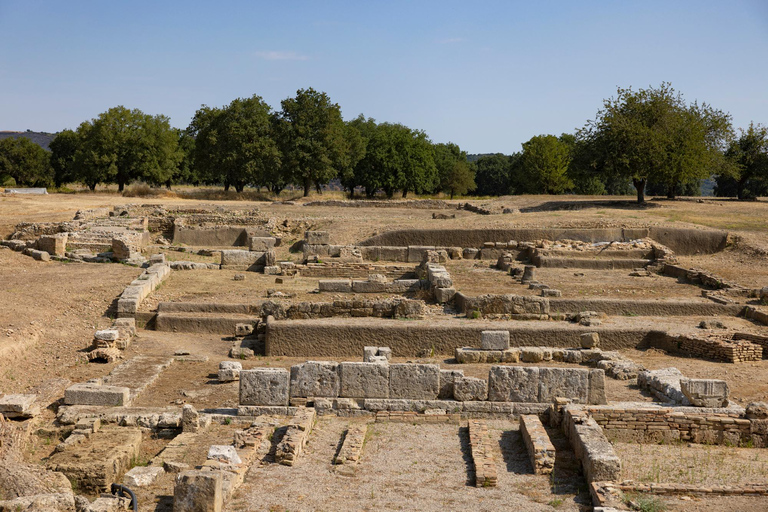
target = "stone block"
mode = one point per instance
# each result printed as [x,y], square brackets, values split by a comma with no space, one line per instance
[86,393]
[229,371]
[470,253]
[239,258]
[705,392]
[364,380]
[414,381]
[359,286]
[589,340]
[272,270]
[393,254]
[572,356]
[597,387]
[468,389]
[335,285]
[18,406]
[243,330]
[494,340]
[198,491]
[142,476]
[190,418]
[55,245]
[264,386]
[572,383]
[531,354]
[315,378]
[416,253]
[513,384]
[110,335]
[317,237]
[443,295]
[548,292]
[224,453]
[447,379]
[261,243]
[408,308]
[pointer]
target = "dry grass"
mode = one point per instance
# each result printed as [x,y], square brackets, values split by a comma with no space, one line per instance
[693,464]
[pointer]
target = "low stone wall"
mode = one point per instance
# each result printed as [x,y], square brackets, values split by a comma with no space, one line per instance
[615,307]
[295,438]
[756,315]
[411,381]
[370,286]
[649,423]
[589,263]
[482,454]
[339,338]
[333,269]
[696,276]
[540,448]
[754,338]
[590,445]
[508,305]
[140,288]
[715,348]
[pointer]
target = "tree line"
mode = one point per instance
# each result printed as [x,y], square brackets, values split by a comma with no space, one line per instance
[646,140]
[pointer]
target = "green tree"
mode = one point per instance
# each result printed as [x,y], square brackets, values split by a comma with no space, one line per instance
[746,176]
[311,138]
[235,145]
[543,166]
[454,172]
[122,145]
[63,148]
[25,162]
[355,144]
[654,134]
[494,174]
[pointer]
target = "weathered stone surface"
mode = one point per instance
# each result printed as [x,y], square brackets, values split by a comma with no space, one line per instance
[447,379]
[264,386]
[18,406]
[757,410]
[229,371]
[86,393]
[572,356]
[563,382]
[142,476]
[107,335]
[531,354]
[467,389]
[198,491]
[364,380]
[59,502]
[241,259]
[190,418]
[315,378]
[335,285]
[414,381]
[408,308]
[597,387]
[443,295]
[589,340]
[529,274]
[513,384]
[261,243]
[598,459]
[224,453]
[55,245]
[494,340]
[706,392]
[317,237]
[540,448]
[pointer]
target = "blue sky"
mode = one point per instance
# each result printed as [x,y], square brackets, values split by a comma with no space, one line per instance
[485,75]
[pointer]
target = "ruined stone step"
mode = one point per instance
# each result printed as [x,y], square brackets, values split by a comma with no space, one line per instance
[138,373]
[214,323]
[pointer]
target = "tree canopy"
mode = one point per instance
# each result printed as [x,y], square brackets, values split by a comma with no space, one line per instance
[747,176]
[454,172]
[654,134]
[543,166]
[24,161]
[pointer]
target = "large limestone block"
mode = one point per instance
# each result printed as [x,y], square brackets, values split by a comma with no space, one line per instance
[494,340]
[572,383]
[589,340]
[335,285]
[86,393]
[142,476]
[513,384]
[443,295]
[597,387]
[315,379]
[240,258]
[364,380]
[414,381]
[467,389]
[198,491]
[393,254]
[705,392]
[317,237]
[447,379]
[261,243]
[416,253]
[18,406]
[264,386]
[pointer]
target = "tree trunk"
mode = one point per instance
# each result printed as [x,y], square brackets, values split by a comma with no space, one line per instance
[389,192]
[319,188]
[92,186]
[671,189]
[239,187]
[120,186]
[226,186]
[307,186]
[640,186]
[405,193]
[740,184]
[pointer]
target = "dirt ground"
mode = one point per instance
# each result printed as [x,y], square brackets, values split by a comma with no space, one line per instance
[49,311]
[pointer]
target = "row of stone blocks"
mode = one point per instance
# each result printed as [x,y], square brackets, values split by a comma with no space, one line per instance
[482,454]
[326,379]
[132,296]
[370,286]
[540,448]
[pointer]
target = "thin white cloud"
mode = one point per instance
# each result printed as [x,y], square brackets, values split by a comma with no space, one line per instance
[281,55]
[452,40]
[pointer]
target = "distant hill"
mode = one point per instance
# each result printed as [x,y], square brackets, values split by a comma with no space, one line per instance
[42,139]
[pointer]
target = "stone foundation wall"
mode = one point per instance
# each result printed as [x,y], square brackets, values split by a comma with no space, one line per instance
[132,296]
[718,349]
[590,445]
[639,423]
